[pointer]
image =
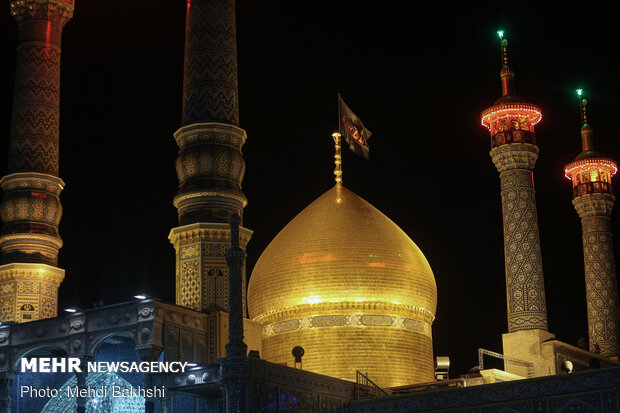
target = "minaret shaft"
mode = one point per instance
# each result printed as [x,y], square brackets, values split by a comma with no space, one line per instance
[209,165]
[30,208]
[603,308]
[600,273]
[36,99]
[210,72]
[525,290]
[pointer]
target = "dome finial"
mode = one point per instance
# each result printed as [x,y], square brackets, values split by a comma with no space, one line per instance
[337,158]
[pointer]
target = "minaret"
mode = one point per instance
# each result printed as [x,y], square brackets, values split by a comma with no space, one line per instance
[31,209]
[591,174]
[514,152]
[234,367]
[209,165]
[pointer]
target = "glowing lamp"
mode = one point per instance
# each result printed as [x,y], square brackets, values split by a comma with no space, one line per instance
[140,296]
[579,91]
[500,33]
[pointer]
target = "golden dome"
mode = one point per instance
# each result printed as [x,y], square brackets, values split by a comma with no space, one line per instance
[349,286]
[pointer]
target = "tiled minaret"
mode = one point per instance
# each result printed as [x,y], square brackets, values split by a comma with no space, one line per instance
[591,174]
[514,152]
[31,209]
[209,165]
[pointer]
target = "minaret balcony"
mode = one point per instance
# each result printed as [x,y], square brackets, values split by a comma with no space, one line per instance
[591,176]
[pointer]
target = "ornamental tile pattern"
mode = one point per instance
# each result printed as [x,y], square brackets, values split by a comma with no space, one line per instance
[210,168]
[600,274]
[28,292]
[210,75]
[202,271]
[30,209]
[354,320]
[525,290]
[209,165]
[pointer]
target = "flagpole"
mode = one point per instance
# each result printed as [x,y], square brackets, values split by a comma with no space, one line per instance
[339,114]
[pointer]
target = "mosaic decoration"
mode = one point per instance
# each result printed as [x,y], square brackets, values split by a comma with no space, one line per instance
[29,292]
[525,290]
[511,123]
[210,168]
[210,75]
[189,280]
[600,273]
[591,175]
[7,308]
[202,271]
[354,320]
[37,381]
[209,165]
[103,404]
[30,208]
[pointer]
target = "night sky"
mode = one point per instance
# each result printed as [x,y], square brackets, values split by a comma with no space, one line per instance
[418,78]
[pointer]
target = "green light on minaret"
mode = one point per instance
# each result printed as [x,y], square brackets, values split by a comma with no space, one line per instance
[579,91]
[500,33]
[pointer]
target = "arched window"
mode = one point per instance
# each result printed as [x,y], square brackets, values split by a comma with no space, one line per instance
[594,175]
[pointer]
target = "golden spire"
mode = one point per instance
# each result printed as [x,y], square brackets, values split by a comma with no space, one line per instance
[507,74]
[337,158]
[587,134]
[504,45]
[583,103]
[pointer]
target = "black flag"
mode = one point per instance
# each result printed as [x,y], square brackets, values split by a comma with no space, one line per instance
[353,130]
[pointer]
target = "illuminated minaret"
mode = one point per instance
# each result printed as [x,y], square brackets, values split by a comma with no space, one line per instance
[514,152]
[591,174]
[209,165]
[31,209]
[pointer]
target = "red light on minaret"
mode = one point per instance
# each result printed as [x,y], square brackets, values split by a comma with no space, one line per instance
[523,115]
[590,172]
[593,200]
[510,120]
[511,123]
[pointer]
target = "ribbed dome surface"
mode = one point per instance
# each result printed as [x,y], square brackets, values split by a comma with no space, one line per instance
[347,284]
